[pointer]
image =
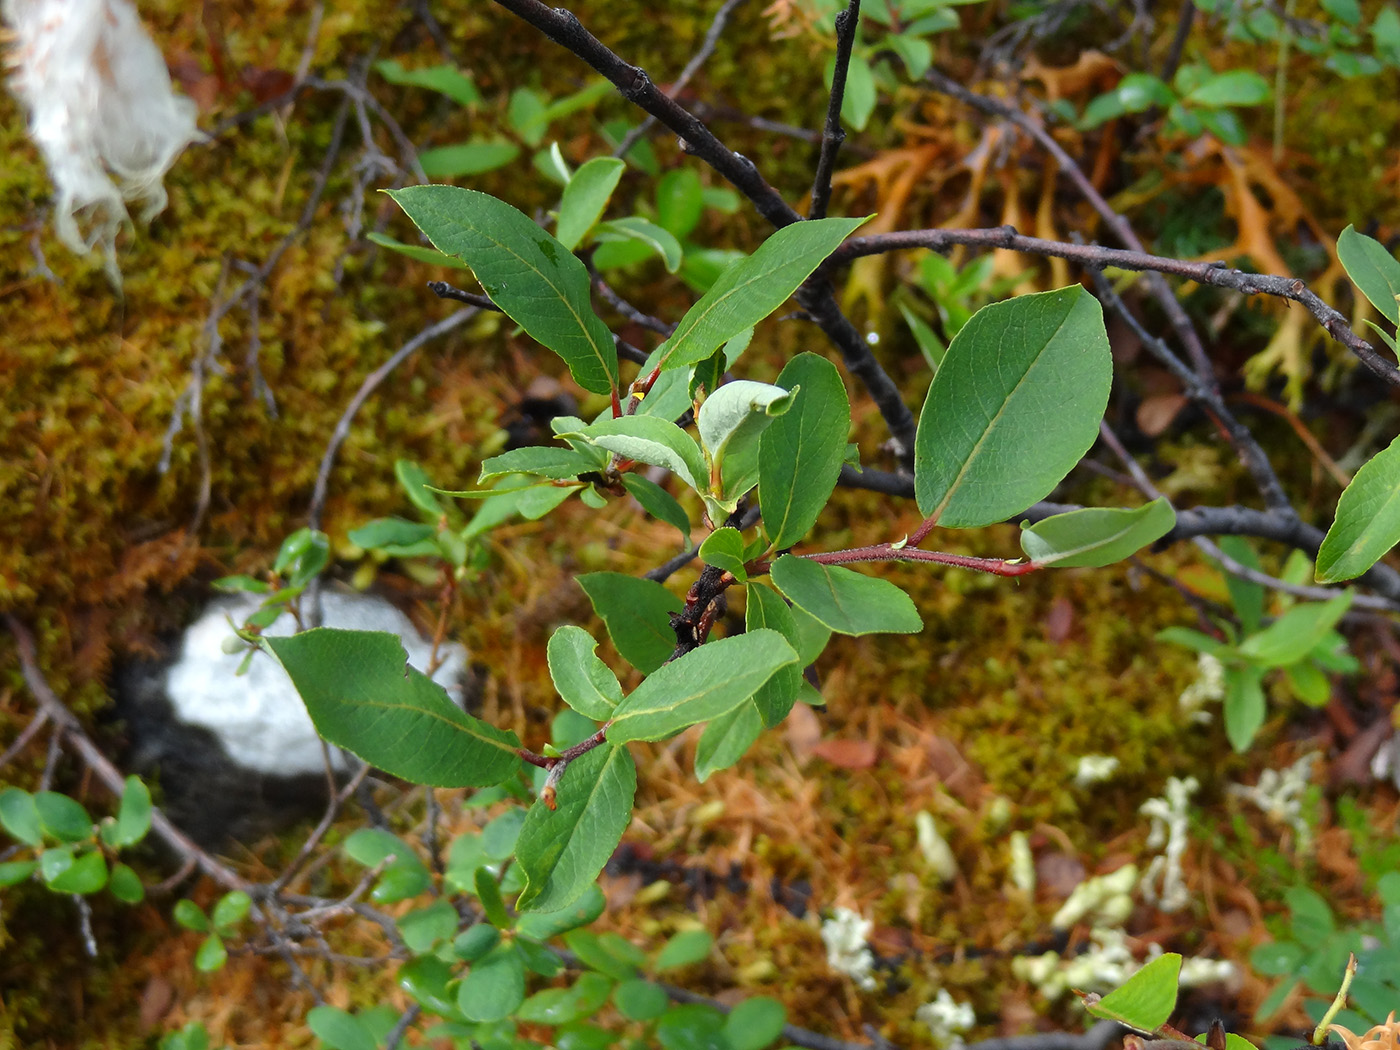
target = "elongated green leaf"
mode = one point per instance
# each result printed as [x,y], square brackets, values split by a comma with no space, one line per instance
[648,439]
[635,228]
[1293,635]
[683,949]
[1372,269]
[395,533]
[1238,87]
[726,738]
[417,252]
[583,680]
[637,614]
[659,503]
[585,197]
[133,817]
[527,273]
[474,157]
[339,1029]
[1243,705]
[1368,519]
[1245,595]
[543,460]
[445,80]
[764,607]
[800,454]
[1146,999]
[1096,536]
[363,697]
[703,684]
[753,288]
[1014,406]
[561,851]
[846,601]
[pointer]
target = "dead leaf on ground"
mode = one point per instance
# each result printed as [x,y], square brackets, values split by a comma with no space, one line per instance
[803,730]
[846,754]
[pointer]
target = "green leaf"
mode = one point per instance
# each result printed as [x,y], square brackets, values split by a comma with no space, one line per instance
[1096,536]
[416,252]
[542,925]
[470,945]
[765,608]
[800,454]
[339,1030]
[637,614]
[542,460]
[1277,958]
[735,415]
[583,681]
[1146,999]
[1309,683]
[848,602]
[1367,524]
[1246,596]
[1238,87]
[683,949]
[405,877]
[231,909]
[639,1000]
[680,201]
[608,954]
[858,101]
[87,874]
[16,871]
[637,230]
[54,862]
[495,986]
[191,916]
[302,555]
[1296,632]
[1373,270]
[648,439]
[726,738]
[1135,93]
[1194,640]
[133,816]
[363,697]
[585,197]
[211,954]
[695,1026]
[445,80]
[1312,920]
[474,157]
[426,980]
[752,288]
[929,344]
[62,818]
[20,817]
[1244,705]
[418,487]
[1015,405]
[755,1023]
[488,891]
[659,503]
[724,549]
[561,851]
[423,929]
[539,284]
[703,684]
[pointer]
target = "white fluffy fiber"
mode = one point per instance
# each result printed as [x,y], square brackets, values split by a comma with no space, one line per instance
[258,716]
[100,105]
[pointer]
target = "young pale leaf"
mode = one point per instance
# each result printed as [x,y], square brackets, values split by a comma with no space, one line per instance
[659,503]
[1293,635]
[726,738]
[495,986]
[752,288]
[724,549]
[1015,405]
[703,684]
[737,413]
[765,608]
[1373,270]
[583,680]
[1243,705]
[542,460]
[1368,518]
[539,283]
[637,614]
[648,439]
[561,851]
[635,228]
[1096,536]
[1145,1000]
[800,455]
[585,197]
[363,697]
[846,601]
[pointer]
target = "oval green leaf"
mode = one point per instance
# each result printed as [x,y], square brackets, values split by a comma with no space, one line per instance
[1014,406]
[683,949]
[1096,536]
[20,817]
[1367,524]
[726,738]
[1372,269]
[649,439]
[133,817]
[87,874]
[641,231]
[63,818]
[339,1030]
[585,197]
[363,697]
[583,681]
[538,282]
[724,549]
[755,1023]
[1146,1000]
[637,613]
[846,601]
[764,607]
[659,503]
[800,454]
[495,986]
[1294,634]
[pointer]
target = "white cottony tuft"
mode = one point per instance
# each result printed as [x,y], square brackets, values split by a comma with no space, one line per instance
[258,716]
[100,106]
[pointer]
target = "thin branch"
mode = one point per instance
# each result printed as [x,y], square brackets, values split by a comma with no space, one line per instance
[847,23]
[27,734]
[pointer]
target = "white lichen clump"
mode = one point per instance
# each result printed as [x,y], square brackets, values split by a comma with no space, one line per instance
[1022,866]
[1106,964]
[1209,687]
[1164,883]
[1094,769]
[938,855]
[847,952]
[258,716]
[1280,796]
[100,106]
[947,1019]
[1106,900]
